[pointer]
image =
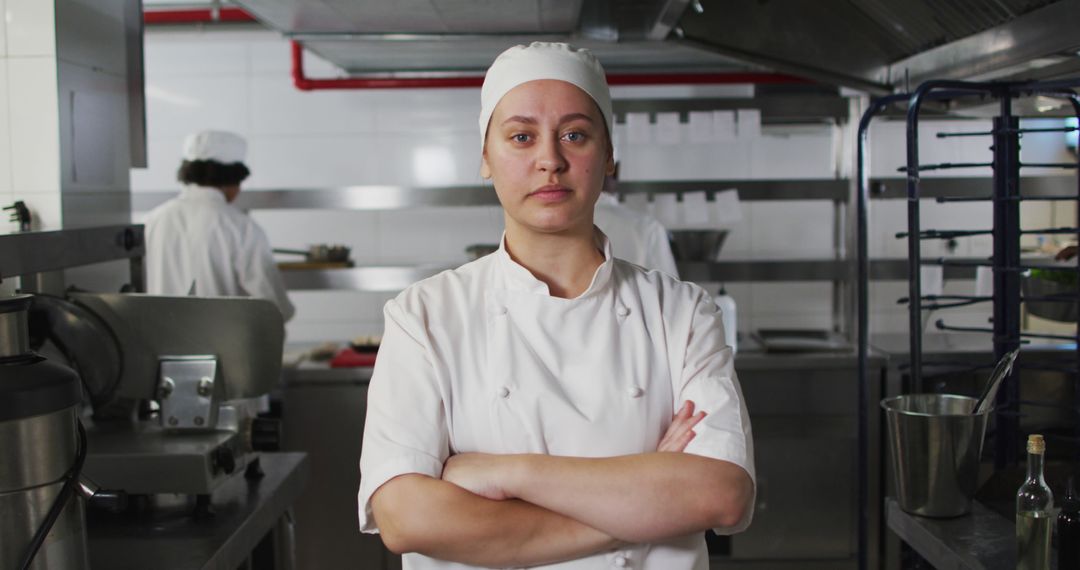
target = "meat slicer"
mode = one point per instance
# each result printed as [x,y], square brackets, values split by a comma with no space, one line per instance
[170,381]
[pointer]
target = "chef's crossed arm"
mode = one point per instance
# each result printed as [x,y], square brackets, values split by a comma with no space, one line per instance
[530,509]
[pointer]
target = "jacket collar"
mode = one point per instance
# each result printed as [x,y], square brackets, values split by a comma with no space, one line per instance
[193,192]
[515,277]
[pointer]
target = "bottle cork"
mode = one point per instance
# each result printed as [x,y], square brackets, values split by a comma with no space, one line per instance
[1036,444]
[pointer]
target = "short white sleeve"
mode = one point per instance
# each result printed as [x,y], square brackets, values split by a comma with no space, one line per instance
[405,430]
[709,380]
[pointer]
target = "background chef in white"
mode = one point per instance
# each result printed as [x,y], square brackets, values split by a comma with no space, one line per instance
[200,244]
[635,236]
[536,407]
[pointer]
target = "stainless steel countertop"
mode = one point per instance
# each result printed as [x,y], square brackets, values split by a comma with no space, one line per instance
[749,359]
[244,512]
[885,348]
[981,540]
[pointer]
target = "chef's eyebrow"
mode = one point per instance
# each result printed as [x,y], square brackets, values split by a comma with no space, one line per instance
[532,120]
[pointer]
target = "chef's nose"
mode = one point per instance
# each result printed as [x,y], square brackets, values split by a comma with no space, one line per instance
[549,156]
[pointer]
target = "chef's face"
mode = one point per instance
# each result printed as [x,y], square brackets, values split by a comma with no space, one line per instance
[546,152]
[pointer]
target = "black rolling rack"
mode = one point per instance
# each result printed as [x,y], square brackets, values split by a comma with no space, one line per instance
[1006,196]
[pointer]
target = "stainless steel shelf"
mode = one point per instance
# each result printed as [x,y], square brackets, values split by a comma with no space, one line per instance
[396,278]
[771,270]
[373,279]
[803,270]
[777,109]
[345,198]
[38,252]
[400,197]
[972,187]
[751,190]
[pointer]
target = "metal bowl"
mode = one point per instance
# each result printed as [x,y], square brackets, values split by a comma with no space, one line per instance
[697,245]
[1063,311]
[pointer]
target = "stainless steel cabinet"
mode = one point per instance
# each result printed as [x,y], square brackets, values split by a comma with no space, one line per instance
[803,408]
[323,414]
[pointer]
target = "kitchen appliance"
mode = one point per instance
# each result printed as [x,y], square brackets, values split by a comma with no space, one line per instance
[39,437]
[176,414]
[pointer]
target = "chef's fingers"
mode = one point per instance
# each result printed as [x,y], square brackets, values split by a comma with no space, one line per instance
[675,439]
[685,440]
[678,442]
[682,417]
[684,413]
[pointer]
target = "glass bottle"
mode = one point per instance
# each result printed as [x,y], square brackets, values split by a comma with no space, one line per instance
[1068,525]
[1034,506]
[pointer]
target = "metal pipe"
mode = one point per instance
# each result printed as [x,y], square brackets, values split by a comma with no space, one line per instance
[922,93]
[197,16]
[862,265]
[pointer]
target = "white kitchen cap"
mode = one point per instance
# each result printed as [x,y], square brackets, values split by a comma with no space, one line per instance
[219,146]
[543,60]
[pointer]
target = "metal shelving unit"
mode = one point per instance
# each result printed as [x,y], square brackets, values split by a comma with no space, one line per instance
[1006,196]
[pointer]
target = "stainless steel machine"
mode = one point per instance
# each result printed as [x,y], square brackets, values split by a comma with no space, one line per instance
[173,382]
[40,526]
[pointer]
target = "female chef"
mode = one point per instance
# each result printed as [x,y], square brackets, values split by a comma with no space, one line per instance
[521,408]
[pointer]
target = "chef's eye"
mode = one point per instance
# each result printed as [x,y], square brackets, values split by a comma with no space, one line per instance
[520,138]
[574,136]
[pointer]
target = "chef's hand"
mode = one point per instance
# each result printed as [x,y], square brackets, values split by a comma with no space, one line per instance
[681,430]
[477,473]
[1066,253]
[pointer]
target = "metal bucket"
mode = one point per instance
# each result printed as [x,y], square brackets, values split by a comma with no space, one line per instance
[935,443]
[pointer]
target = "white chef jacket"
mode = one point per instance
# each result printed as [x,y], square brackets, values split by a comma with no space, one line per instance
[199,244]
[483,359]
[637,237]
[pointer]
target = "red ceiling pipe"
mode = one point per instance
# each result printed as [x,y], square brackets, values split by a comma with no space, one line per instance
[305,83]
[196,16]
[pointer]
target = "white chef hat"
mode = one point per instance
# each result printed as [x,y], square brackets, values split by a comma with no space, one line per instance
[219,146]
[543,60]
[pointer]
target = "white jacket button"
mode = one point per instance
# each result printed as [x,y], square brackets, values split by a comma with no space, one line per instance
[635,391]
[622,311]
[504,392]
[500,311]
[620,561]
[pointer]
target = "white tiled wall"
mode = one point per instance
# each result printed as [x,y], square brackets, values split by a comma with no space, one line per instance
[240,81]
[29,143]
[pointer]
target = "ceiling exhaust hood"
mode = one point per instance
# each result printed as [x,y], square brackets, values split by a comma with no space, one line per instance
[894,44]
[877,46]
[375,37]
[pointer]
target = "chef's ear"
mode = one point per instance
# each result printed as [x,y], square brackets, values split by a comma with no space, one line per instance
[485,170]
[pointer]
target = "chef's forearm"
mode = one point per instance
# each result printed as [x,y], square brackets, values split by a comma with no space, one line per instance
[420,514]
[636,498]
